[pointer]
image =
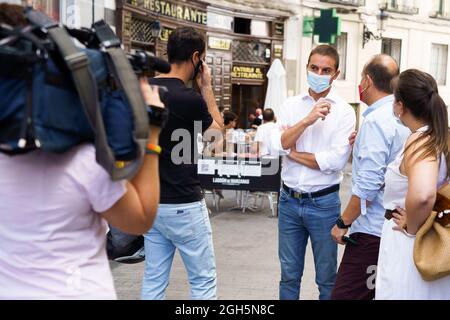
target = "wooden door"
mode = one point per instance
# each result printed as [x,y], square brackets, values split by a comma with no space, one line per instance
[220,65]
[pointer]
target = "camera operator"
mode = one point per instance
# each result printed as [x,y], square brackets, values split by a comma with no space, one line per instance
[182,221]
[52,212]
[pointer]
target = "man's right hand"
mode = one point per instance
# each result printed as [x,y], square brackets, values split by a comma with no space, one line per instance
[151,95]
[320,111]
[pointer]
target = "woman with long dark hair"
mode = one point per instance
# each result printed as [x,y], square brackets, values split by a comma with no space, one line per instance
[411,184]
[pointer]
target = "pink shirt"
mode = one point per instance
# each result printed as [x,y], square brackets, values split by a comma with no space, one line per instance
[52,238]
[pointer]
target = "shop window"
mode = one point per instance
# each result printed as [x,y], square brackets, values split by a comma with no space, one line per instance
[242,25]
[141,31]
[250,51]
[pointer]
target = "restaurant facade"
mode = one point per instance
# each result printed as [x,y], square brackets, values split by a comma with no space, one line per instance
[243,37]
[240,44]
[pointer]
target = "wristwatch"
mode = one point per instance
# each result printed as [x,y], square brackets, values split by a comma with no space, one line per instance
[157,116]
[341,225]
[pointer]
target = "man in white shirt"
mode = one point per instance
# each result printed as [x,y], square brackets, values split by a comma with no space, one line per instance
[315,129]
[264,133]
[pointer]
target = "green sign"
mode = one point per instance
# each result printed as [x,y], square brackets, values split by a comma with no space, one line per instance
[327,26]
[308,26]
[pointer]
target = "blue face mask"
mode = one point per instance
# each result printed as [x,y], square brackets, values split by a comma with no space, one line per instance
[318,83]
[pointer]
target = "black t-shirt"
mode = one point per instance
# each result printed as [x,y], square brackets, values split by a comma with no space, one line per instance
[179,182]
[257,122]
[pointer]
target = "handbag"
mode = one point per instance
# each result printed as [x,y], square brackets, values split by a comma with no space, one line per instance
[432,243]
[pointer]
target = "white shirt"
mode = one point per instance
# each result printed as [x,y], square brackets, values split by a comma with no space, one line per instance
[327,139]
[264,137]
[52,238]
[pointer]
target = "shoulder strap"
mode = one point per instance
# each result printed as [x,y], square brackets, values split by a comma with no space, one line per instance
[127,81]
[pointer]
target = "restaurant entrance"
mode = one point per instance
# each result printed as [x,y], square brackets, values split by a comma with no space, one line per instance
[246,98]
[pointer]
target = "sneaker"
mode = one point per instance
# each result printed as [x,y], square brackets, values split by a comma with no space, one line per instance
[136,257]
[132,253]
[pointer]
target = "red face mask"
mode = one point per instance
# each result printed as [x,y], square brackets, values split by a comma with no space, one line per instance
[361,91]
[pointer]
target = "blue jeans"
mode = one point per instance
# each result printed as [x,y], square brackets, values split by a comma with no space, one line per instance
[185,227]
[300,219]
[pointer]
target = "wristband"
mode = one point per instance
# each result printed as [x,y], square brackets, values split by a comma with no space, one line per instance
[153,149]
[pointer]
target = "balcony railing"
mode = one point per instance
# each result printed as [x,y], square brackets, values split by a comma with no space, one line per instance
[354,3]
[394,7]
[440,15]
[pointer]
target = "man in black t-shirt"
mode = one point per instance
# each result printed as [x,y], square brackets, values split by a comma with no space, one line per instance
[182,221]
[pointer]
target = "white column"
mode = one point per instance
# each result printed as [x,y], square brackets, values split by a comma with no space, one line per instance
[292,52]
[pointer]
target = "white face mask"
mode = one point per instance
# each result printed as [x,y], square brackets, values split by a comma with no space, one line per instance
[319,83]
[397,118]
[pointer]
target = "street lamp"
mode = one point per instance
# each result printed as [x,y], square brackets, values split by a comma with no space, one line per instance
[155,29]
[381,18]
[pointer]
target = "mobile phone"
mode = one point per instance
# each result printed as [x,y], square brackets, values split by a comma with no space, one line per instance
[199,67]
[349,240]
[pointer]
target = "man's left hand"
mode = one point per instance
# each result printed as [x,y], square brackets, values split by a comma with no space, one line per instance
[352,138]
[337,234]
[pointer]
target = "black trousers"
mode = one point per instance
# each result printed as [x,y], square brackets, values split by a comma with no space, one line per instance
[356,276]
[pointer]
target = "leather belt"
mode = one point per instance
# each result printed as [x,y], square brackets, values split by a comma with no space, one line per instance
[316,194]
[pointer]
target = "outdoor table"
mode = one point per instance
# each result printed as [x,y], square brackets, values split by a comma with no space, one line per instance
[244,172]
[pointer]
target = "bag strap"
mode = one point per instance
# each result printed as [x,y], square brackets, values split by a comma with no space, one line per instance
[127,81]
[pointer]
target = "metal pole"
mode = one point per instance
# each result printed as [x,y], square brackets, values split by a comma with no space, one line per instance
[93,11]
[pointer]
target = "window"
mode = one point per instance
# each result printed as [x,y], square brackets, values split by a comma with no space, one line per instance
[341,47]
[403,6]
[242,25]
[439,59]
[443,6]
[259,28]
[441,9]
[392,47]
[216,20]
